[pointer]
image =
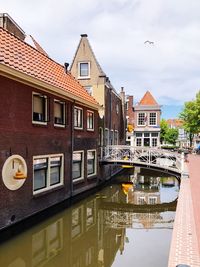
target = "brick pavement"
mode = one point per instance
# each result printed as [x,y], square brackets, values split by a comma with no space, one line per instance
[184,246]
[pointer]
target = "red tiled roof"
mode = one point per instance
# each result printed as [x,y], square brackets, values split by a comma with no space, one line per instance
[24,58]
[175,122]
[148,99]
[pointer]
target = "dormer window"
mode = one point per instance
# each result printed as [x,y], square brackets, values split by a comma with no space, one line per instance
[84,70]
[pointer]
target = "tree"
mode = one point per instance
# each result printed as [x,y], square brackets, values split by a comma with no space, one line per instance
[163,130]
[171,136]
[191,117]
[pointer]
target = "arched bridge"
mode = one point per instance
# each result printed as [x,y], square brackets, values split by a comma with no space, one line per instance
[156,158]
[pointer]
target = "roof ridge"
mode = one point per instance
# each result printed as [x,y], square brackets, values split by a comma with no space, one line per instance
[31,46]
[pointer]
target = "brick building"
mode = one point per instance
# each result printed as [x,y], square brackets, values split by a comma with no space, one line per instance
[48,131]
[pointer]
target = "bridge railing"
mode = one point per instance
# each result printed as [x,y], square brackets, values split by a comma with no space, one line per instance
[144,155]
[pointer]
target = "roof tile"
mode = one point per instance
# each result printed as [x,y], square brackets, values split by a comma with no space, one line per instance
[22,57]
[148,100]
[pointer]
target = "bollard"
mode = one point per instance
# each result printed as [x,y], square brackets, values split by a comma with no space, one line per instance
[182,265]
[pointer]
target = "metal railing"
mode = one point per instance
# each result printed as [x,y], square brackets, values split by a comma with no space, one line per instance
[153,157]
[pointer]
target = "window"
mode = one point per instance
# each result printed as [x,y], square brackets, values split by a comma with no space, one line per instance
[116,137]
[154,134]
[39,108]
[48,172]
[78,165]
[152,118]
[111,137]
[106,137]
[154,141]
[90,120]
[59,113]
[152,200]
[91,162]
[89,89]
[141,118]
[77,221]
[138,134]
[139,142]
[146,134]
[117,108]
[141,200]
[84,69]
[78,118]
[100,136]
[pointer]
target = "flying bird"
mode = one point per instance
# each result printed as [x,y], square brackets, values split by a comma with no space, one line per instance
[148,42]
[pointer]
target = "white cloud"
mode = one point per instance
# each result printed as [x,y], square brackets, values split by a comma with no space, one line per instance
[117,30]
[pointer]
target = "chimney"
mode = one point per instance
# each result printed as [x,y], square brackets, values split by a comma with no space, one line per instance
[66,65]
[84,35]
[7,23]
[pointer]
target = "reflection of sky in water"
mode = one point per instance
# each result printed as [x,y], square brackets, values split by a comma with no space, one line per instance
[145,248]
[168,194]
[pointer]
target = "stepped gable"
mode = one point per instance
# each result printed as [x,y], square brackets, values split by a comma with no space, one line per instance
[148,100]
[22,57]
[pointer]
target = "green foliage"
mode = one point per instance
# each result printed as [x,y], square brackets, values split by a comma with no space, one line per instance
[171,136]
[166,134]
[163,129]
[191,116]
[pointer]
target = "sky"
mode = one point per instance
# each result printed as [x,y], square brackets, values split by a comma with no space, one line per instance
[117,31]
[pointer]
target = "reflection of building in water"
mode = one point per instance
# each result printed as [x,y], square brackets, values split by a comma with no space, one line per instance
[145,191]
[88,234]
[168,181]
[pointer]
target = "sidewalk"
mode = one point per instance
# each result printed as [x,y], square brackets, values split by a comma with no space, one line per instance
[194,171]
[186,233]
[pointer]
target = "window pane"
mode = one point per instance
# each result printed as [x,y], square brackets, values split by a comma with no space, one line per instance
[90,120]
[59,112]
[84,70]
[77,165]
[78,118]
[39,105]
[55,170]
[40,174]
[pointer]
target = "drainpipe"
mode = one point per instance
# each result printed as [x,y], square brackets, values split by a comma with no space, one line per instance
[72,146]
[182,166]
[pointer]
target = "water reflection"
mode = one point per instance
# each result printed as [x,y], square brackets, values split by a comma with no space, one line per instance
[99,230]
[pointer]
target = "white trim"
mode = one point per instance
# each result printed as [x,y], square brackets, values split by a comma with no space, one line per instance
[48,186]
[64,113]
[149,119]
[95,162]
[145,114]
[76,127]
[90,129]
[46,110]
[82,166]
[79,70]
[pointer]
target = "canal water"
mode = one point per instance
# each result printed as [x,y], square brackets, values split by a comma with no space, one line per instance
[127,224]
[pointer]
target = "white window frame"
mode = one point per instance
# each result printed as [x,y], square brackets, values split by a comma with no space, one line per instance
[150,118]
[150,198]
[45,108]
[77,127]
[79,70]
[48,186]
[63,111]
[82,166]
[88,128]
[145,114]
[153,139]
[95,162]
[138,139]
[106,138]
[111,139]
[116,140]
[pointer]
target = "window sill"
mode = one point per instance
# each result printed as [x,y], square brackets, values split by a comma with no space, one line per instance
[60,126]
[84,78]
[90,130]
[78,181]
[91,176]
[47,191]
[77,128]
